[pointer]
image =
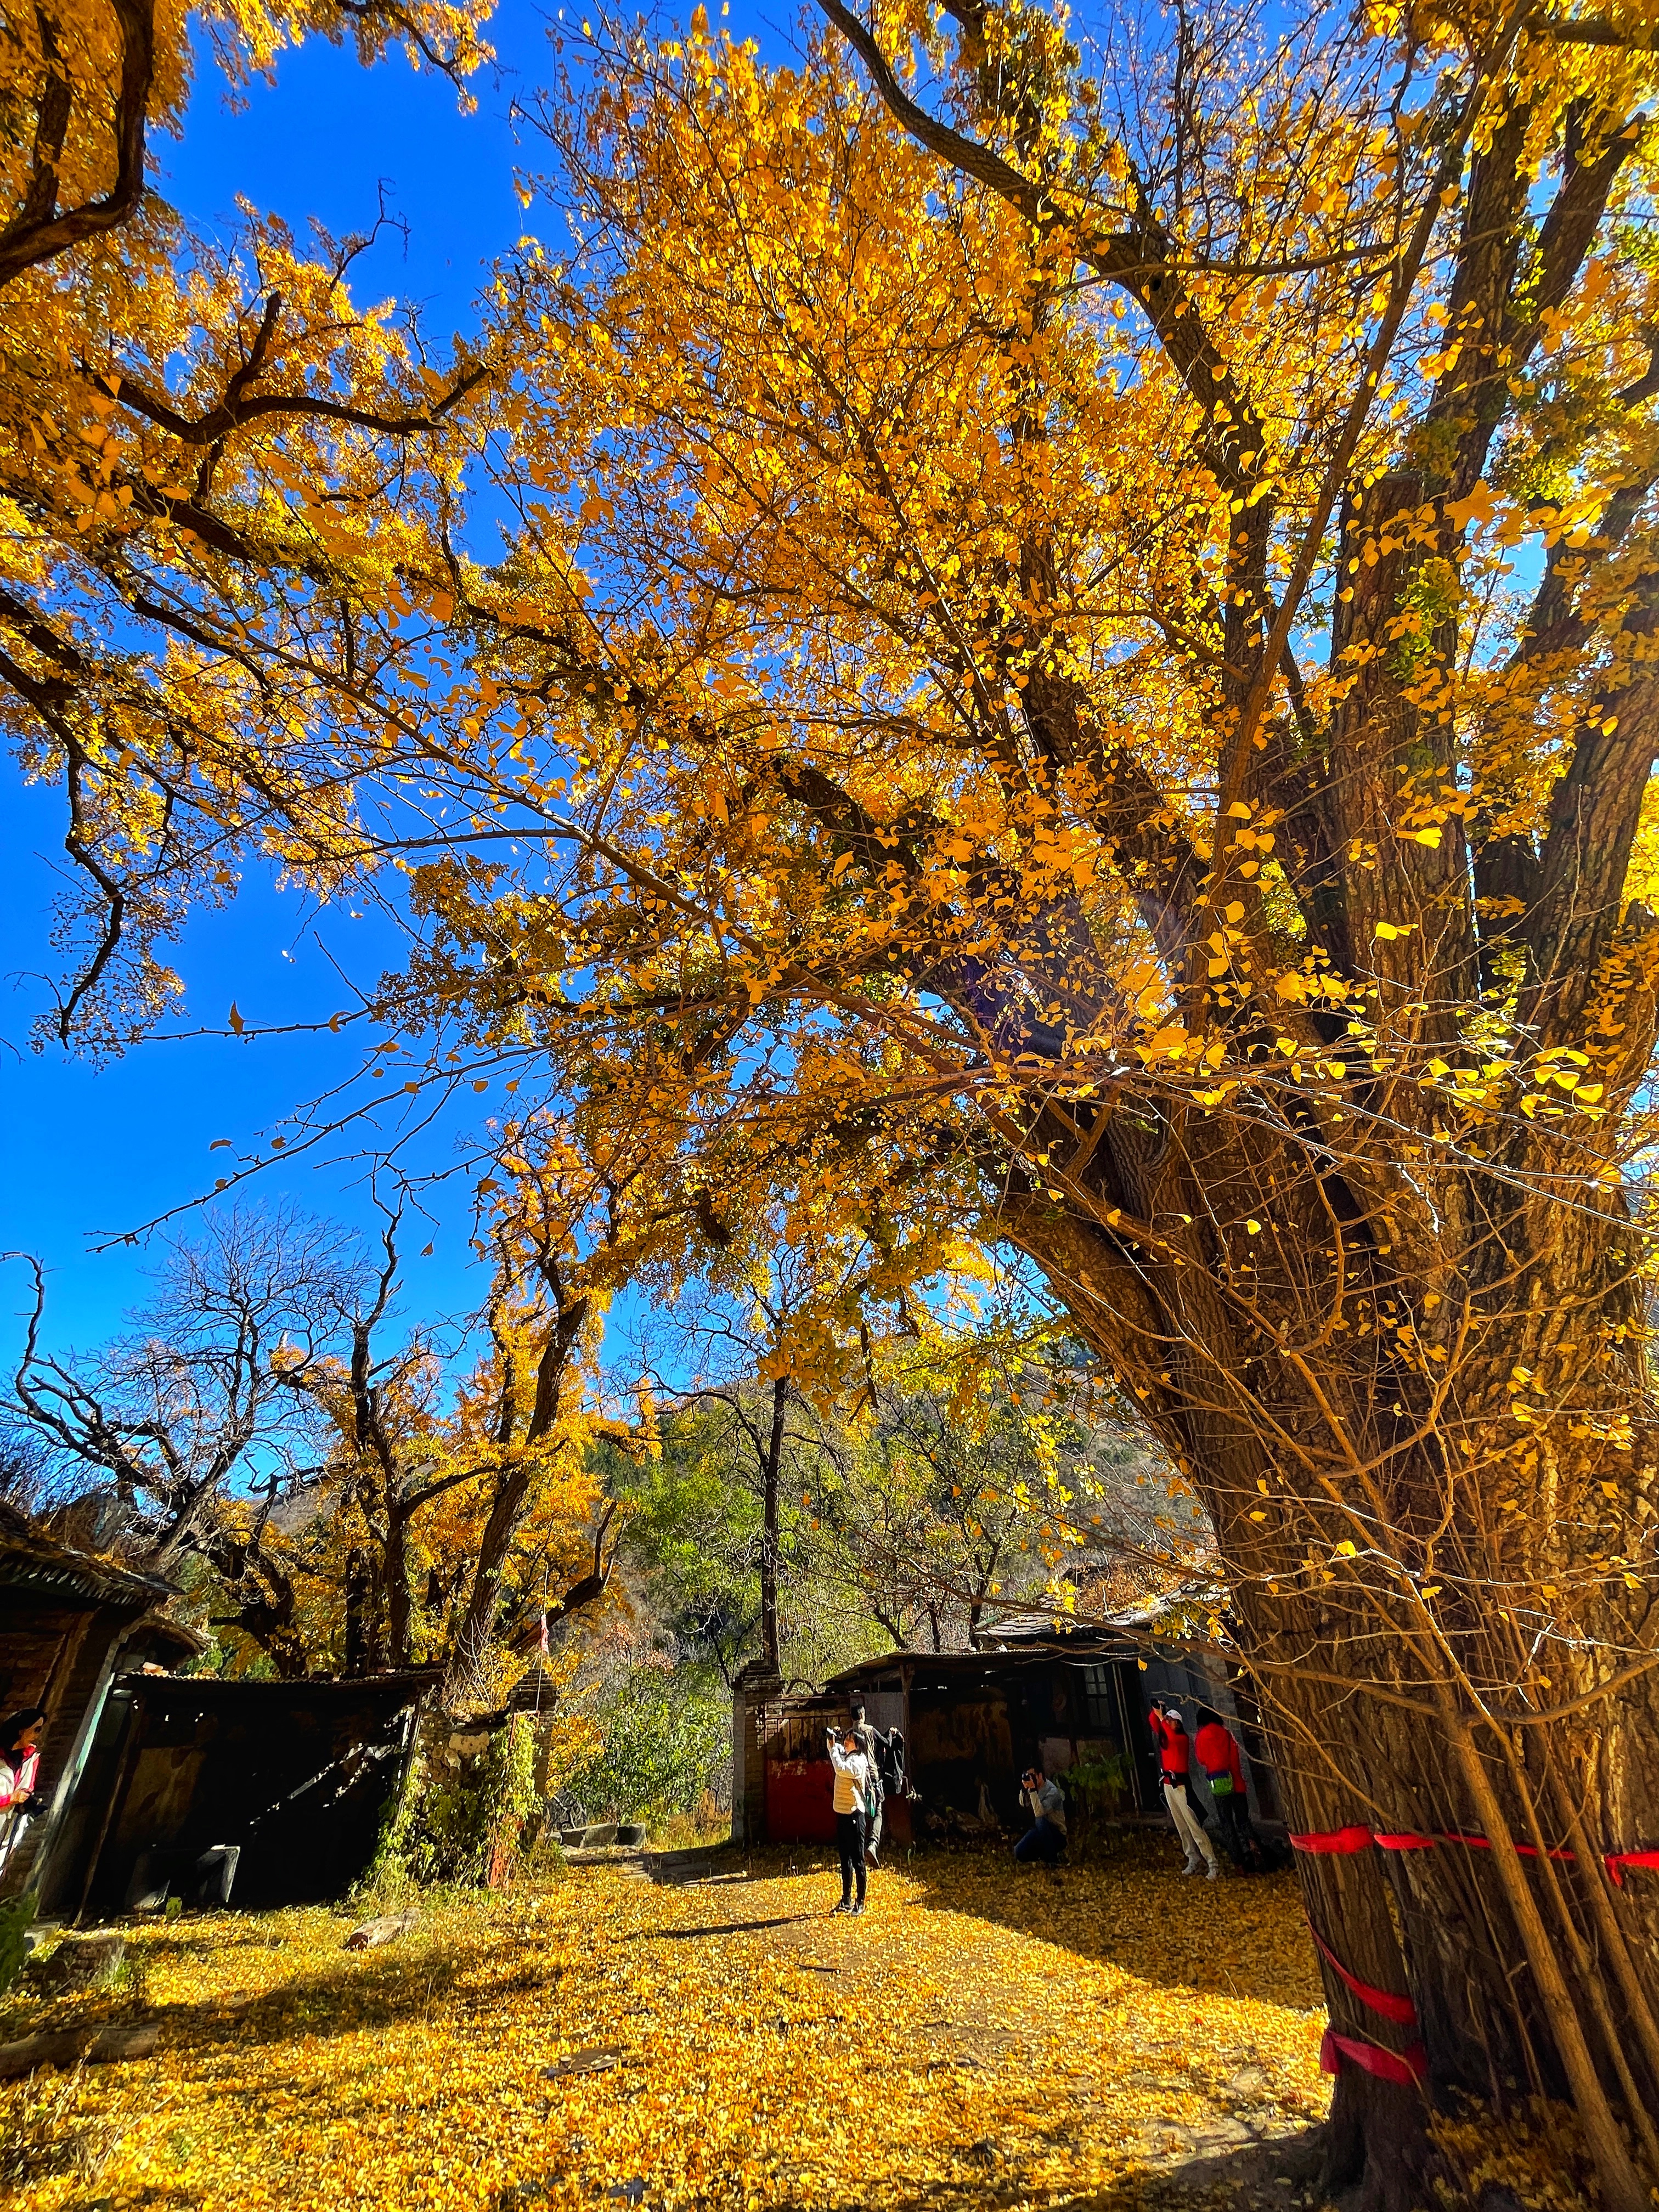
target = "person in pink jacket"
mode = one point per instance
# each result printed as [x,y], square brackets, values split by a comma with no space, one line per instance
[20,1768]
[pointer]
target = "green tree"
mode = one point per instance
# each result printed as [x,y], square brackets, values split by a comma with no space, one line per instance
[664,1733]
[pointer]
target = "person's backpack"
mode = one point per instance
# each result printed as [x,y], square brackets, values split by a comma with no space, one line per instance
[889,1762]
[1221,1785]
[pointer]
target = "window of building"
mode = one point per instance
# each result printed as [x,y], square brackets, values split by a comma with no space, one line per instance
[1099,1699]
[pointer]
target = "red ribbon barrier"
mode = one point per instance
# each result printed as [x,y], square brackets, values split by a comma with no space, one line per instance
[1406,2067]
[1397,2009]
[1355,1839]
[1411,2066]
[1484,1844]
[1617,1859]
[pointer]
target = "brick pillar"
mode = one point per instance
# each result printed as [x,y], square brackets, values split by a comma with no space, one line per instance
[752,1690]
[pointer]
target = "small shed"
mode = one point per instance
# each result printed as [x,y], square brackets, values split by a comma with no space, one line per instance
[972,1721]
[68,1620]
[297,1777]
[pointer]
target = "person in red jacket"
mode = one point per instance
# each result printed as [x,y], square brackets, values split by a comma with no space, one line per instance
[1223,1770]
[1175,1757]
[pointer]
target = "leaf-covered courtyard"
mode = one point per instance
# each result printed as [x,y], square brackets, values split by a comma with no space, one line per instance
[718,2040]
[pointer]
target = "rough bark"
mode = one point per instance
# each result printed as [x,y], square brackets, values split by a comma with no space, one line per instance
[1385,1709]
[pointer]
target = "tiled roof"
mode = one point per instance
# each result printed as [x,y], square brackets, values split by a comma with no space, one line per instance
[29,1561]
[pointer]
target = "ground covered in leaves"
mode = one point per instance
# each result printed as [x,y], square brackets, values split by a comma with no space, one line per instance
[711,2039]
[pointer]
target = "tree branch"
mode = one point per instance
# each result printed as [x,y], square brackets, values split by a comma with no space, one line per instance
[38,232]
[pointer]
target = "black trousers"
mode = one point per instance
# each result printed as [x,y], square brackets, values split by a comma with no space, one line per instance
[1233,1813]
[1044,1842]
[849,1839]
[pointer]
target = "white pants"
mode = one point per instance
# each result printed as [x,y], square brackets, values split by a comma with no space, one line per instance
[1191,1830]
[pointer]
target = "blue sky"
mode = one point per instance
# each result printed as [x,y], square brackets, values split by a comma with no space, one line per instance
[93,1152]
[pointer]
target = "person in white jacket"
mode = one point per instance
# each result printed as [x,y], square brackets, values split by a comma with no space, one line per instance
[855,1785]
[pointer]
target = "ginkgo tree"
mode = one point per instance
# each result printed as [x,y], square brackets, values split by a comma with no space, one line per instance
[448,1524]
[225,482]
[1084,627]
[334,1494]
[1078,655]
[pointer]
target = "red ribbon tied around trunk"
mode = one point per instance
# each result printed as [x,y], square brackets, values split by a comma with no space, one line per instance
[1345,1840]
[1334,1840]
[1617,1859]
[1406,2067]
[1400,2009]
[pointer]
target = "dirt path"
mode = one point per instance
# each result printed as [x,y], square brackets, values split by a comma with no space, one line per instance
[1082,2022]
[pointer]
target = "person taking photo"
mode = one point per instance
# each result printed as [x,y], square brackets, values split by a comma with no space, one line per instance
[1045,1839]
[854,1784]
[1174,1759]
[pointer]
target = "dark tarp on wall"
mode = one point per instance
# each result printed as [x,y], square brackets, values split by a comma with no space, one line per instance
[299,1776]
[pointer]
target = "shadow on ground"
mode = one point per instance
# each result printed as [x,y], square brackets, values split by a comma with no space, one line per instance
[718,1928]
[1242,1936]
[361,1992]
[1282,2176]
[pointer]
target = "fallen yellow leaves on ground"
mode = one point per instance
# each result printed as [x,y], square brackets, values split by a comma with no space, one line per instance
[979,2037]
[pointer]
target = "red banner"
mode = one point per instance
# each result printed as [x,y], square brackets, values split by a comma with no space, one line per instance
[1330,1840]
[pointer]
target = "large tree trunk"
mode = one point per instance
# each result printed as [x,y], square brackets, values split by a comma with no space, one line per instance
[506,1506]
[463,1675]
[771,1463]
[359,1611]
[399,1601]
[1404,1505]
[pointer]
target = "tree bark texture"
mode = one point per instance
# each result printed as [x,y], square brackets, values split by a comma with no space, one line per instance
[1395,1678]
